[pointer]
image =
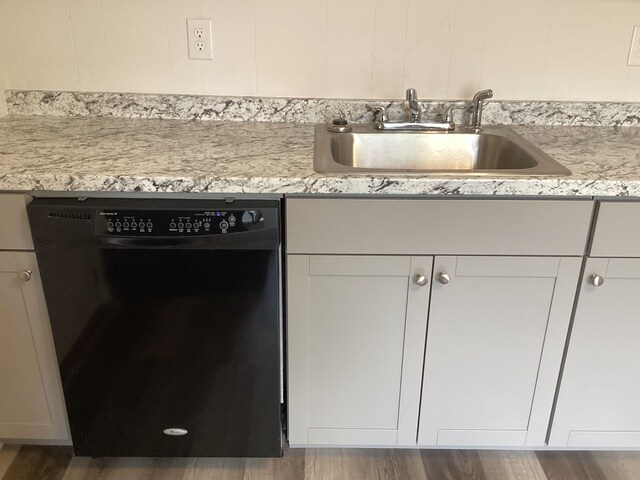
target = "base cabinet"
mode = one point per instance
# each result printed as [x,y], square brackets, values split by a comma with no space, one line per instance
[31,402]
[599,391]
[469,359]
[497,327]
[356,332]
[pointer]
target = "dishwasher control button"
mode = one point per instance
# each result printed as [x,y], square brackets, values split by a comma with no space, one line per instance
[223,226]
[109,224]
[188,225]
[134,225]
[207,225]
[172,225]
[149,225]
[118,224]
[181,225]
[232,219]
[125,224]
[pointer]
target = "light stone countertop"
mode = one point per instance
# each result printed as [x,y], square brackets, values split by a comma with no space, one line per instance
[152,155]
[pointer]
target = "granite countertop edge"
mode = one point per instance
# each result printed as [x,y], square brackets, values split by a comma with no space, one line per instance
[97,154]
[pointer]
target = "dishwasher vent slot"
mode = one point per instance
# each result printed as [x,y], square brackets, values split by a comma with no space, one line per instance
[70,216]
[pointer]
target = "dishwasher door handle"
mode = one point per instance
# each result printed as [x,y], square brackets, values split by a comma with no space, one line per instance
[264,239]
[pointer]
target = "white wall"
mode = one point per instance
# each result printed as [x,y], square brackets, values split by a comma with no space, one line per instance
[3,105]
[3,80]
[523,49]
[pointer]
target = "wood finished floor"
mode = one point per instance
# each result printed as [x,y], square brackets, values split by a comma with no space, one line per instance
[58,463]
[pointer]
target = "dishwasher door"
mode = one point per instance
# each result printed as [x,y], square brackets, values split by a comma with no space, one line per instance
[166,346]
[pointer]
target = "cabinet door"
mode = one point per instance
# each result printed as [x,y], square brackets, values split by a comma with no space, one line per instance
[31,402]
[600,388]
[496,334]
[356,332]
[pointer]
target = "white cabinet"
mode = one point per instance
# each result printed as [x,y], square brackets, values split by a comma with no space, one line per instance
[599,393]
[357,321]
[497,329]
[15,233]
[31,401]
[356,333]
[600,388]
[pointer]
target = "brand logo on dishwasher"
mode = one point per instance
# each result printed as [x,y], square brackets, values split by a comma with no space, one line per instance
[175,432]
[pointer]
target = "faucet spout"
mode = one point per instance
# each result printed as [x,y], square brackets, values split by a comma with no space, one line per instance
[414,106]
[477,105]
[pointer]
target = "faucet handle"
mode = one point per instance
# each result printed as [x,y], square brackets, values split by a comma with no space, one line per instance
[379,113]
[448,113]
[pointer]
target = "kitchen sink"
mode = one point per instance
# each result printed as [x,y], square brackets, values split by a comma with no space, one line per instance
[494,151]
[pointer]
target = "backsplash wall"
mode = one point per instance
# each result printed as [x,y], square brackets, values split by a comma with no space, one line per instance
[3,84]
[523,49]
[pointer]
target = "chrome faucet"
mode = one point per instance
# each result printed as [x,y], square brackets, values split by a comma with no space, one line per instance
[414,106]
[380,115]
[416,123]
[448,113]
[477,105]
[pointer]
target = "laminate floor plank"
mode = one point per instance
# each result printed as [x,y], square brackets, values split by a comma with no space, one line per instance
[511,465]
[81,468]
[404,464]
[214,469]
[39,462]
[619,465]
[289,467]
[7,455]
[570,466]
[363,464]
[453,465]
[55,463]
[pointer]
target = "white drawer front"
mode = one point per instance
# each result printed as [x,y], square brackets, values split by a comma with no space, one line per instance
[426,227]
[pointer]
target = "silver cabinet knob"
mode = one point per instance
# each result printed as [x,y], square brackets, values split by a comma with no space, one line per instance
[444,278]
[597,280]
[24,275]
[421,279]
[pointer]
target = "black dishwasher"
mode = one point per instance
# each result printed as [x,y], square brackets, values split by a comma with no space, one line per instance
[167,324]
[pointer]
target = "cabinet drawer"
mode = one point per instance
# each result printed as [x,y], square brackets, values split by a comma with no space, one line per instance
[15,233]
[423,227]
[617,232]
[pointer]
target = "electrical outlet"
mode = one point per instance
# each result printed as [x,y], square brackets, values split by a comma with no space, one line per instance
[634,51]
[199,38]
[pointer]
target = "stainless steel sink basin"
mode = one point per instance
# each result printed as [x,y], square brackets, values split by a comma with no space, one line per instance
[495,151]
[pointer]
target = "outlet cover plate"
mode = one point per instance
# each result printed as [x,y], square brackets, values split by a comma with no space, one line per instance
[634,52]
[200,38]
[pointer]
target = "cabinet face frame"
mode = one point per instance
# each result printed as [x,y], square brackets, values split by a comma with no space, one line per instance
[617,230]
[301,269]
[564,272]
[15,233]
[31,293]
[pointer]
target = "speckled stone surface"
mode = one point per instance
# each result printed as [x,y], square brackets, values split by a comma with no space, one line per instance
[128,105]
[150,155]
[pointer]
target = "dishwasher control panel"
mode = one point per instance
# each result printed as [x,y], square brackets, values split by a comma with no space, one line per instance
[170,223]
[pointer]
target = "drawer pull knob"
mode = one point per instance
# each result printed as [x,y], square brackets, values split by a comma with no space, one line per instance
[25,275]
[597,280]
[444,278]
[421,279]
